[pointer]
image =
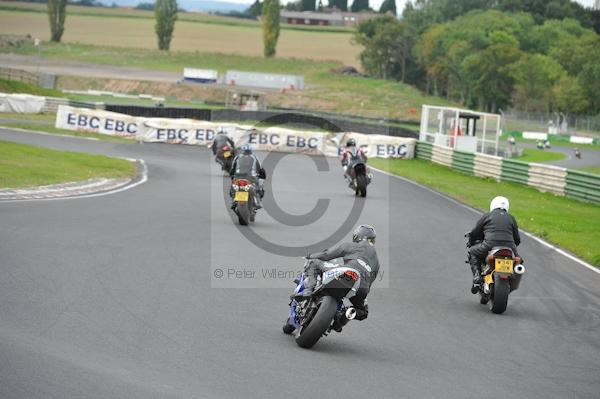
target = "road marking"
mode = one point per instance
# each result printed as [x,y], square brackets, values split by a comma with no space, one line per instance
[142,180]
[477,211]
[18,129]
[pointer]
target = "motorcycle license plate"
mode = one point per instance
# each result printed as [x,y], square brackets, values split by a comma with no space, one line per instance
[227,154]
[503,265]
[241,196]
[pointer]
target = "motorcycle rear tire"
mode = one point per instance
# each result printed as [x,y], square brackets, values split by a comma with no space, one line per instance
[361,185]
[499,301]
[243,212]
[310,334]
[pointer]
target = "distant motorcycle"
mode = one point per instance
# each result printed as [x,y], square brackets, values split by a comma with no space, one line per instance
[314,317]
[577,153]
[244,200]
[356,174]
[502,272]
[225,156]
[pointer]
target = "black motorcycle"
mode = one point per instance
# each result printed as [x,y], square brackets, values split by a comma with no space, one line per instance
[313,317]
[357,174]
[502,272]
[244,204]
[225,156]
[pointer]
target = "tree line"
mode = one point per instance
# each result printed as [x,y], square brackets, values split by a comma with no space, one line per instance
[491,54]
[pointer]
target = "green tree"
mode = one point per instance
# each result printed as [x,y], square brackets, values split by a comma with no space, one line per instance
[489,75]
[569,96]
[359,5]
[165,13]
[339,4]
[535,75]
[388,5]
[308,5]
[589,79]
[57,12]
[255,9]
[270,27]
[387,43]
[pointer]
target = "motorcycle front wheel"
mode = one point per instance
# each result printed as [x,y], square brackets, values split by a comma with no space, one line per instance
[310,334]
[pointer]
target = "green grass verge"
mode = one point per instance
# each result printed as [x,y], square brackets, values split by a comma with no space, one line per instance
[534,155]
[564,221]
[24,165]
[63,132]
[590,169]
[13,86]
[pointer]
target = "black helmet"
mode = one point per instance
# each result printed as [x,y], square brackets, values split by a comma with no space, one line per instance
[351,143]
[364,232]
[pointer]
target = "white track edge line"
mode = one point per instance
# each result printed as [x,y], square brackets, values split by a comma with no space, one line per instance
[143,180]
[465,206]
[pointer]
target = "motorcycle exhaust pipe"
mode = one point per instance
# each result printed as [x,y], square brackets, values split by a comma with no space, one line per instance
[350,313]
[519,269]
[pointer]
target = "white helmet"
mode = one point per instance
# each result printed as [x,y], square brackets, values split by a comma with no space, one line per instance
[499,202]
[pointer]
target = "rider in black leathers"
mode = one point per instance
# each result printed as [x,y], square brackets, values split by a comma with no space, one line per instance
[360,254]
[220,140]
[247,166]
[496,228]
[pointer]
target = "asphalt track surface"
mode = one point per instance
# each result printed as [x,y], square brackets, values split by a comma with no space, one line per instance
[589,157]
[113,297]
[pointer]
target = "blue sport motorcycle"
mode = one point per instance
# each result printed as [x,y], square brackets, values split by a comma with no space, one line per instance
[315,316]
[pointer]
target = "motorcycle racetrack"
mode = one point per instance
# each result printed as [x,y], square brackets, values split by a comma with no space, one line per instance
[120,296]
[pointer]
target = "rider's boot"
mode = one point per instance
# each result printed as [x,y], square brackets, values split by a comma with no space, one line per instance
[477,279]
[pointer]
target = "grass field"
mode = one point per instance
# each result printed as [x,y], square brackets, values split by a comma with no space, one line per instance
[12,86]
[190,35]
[327,91]
[567,222]
[591,169]
[197,17]
[29,166]
[535,155]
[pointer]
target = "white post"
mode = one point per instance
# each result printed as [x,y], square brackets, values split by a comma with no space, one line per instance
[484,129]
[456,127]
[497,133]
[424,123]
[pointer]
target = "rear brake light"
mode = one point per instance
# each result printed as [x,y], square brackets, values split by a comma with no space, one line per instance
[351,274]
[226,148]
[241,182]
[504,252]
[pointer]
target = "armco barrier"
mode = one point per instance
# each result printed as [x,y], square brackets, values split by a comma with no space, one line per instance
[423,150]
[515,171]
[585,186]
[547,178]
[160,112]
[442,155]
[279,117]
[554,179]
[463,161]
[488,166]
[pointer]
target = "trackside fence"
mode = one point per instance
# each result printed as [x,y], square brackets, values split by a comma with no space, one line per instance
[561,181]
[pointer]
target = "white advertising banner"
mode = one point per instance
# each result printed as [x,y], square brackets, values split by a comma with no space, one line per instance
[97,121]
[194,132]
